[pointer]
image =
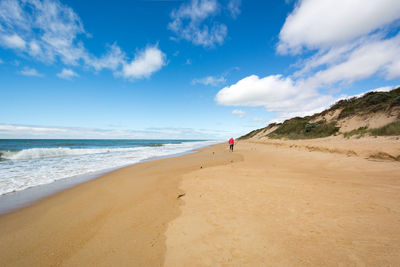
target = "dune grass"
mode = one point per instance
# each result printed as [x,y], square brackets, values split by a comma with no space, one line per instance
[301,128]
[371,102]
[389,129]
[360,132]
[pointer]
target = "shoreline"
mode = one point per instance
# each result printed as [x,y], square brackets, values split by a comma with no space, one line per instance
[16,200]
[132,205]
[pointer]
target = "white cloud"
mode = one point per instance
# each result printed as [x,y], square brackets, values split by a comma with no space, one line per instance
[34,48]
[372,57]
[350,37]
[50,31]
[13,41]
[67,74]
[30,72]
[210,80]
[276,94]
[43,29]
[326,23]
[348,40]
[194,21]
[112,60]
[145,63]
[239,112]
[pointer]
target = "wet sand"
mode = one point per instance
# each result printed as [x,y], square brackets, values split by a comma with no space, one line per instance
[262,205]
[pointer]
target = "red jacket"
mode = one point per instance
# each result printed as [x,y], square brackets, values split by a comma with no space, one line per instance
[231,141]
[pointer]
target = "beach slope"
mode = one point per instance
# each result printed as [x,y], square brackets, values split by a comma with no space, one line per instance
[116,220]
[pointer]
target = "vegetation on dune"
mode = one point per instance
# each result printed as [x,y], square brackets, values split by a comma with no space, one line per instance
[360,132]
[371,102]
[301,128]
[392,128]
[389,129]
[307,128]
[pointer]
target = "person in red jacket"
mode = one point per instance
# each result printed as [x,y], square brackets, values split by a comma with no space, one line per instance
[231,143]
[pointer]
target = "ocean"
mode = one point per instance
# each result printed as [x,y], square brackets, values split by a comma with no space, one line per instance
[26,163]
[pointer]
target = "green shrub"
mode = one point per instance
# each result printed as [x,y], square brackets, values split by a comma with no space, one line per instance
[299,128]
[369,103]
[347,111]
[293,126]
[395,102]
[322,129]
[375,98]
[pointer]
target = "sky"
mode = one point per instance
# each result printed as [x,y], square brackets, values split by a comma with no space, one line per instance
[195,69]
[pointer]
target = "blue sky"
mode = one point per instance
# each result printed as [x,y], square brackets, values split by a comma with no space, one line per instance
[186,69]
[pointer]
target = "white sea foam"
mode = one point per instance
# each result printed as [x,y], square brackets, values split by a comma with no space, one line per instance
[37,166]
[39,153]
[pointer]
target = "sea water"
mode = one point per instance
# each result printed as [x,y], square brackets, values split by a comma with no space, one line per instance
[28,163]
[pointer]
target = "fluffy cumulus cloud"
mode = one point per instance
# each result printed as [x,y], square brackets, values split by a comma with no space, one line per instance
[345,41]
[352,40]
[49,31]
[327,23]
[275,93]
[145,63]
[194,21]
[67,74]
[210,80]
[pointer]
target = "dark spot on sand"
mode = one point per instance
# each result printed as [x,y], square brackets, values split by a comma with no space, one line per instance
[181,195]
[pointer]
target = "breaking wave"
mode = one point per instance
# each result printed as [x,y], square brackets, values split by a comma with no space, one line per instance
[40,153]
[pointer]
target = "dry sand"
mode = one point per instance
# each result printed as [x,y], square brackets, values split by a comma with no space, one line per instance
[263,205]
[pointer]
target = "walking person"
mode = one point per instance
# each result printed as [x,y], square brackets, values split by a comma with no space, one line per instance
[231,143]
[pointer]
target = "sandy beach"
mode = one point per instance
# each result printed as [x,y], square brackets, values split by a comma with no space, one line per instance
[265,204]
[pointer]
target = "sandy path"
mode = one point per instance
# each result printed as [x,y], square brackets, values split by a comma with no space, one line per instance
[288,207]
